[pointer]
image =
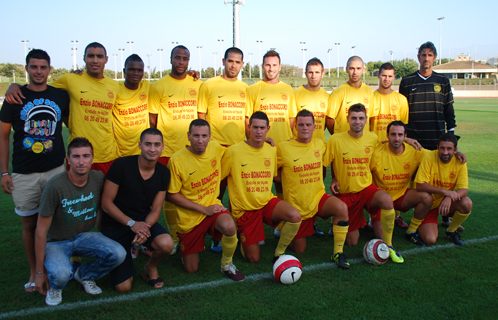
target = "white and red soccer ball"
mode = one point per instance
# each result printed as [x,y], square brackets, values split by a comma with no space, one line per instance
[376,252]
[287,269]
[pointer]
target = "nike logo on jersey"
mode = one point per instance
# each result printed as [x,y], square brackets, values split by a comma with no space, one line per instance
[296,159]
[243,165]
[345,153]
[219,97]
[302,107]
[263,98]
[171,95]
[349,102]
[119,104]
[413,89]
[386,169]
[84,91]
[191,173]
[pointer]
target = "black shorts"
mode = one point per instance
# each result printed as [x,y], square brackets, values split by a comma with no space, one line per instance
[125,236]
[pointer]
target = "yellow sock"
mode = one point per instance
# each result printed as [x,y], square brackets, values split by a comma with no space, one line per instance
[170,216]
[289,231]
[228,246]
[414,225]
[280,226]
[397,213]
[387,219]
[458,219]
[340,234]
[280,195]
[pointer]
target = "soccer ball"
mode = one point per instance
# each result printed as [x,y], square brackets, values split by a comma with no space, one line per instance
[287,269]
[376,252]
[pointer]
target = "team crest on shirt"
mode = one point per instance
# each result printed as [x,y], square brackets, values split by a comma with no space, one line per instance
[243,237]
[242,94]
[110,94]
[182,247]
[406,166]
[213,163]
[284,96]
[192,92]
[317,153]
[394,108]
[368,149]
[437,88]
[452,175]
[143,96]
[322,104]
[267,162]
[365,100]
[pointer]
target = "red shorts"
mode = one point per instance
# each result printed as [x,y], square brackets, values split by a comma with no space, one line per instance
[306,228]
[356,202]
[163,160]
[193,241]
[103,167]
[433,216]
[250,224]
[397,203]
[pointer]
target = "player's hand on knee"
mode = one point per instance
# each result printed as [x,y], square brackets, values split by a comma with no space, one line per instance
[141,229]
[444,207]
[453,195]
[14,94]
[215,208]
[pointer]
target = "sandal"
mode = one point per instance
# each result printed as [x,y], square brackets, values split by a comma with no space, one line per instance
[152,282]
[29,287]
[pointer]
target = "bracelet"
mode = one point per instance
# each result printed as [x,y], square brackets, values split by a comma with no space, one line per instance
[5,174]
[42,272]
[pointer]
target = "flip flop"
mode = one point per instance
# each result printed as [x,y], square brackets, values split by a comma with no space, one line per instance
[29,287]
[152,282]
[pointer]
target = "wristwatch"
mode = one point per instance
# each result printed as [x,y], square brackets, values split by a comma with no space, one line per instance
[130,223]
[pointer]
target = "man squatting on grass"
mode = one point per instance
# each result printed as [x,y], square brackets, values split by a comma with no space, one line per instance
[69,209]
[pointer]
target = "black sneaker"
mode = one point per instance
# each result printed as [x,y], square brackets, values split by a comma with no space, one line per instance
[415,239]
[455,238]
[341,261]
[316,231]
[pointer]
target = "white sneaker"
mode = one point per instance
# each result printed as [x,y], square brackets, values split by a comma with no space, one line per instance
[54,297]
[262,243]
[89,285]
[277,233]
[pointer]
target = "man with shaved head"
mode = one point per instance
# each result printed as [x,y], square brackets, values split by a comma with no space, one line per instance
[352,92]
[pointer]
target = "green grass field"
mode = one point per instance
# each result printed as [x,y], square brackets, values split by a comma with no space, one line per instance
[437,282]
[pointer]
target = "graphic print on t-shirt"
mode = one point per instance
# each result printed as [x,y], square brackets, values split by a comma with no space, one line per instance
[40,118]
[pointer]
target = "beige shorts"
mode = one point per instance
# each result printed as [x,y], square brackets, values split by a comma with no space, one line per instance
[28,190]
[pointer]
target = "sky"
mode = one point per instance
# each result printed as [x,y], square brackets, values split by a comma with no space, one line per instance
[373,27]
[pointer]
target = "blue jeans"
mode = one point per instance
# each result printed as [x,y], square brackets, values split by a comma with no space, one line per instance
[108,252]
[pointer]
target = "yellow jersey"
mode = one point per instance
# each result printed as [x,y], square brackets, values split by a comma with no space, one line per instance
[316,102]
[387,108]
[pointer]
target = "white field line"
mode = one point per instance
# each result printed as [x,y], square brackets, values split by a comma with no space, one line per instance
[217,283]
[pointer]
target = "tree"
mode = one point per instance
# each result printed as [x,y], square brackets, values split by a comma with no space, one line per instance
[288,71]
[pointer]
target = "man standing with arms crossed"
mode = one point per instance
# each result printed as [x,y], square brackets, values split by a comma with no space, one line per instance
[38,147]
[430,102]
[350,153]
[173,105]
[92,97]
[222,102]
[69,209]
[300,161]
[251,166]
[195,183]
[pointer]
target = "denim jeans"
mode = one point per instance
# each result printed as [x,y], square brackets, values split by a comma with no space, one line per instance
[108,253]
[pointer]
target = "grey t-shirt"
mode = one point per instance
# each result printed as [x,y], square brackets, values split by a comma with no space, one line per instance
[74,209]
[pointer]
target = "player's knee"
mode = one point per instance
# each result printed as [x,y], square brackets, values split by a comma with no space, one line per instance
[429,239]
[124,286]
[342,211]
[229,229]
[351,242]
[193,268]
[294,216]
[466,205]
[252,258]
[427,199]
[164,243]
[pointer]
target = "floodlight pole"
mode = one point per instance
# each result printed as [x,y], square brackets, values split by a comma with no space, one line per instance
[115,67]
[338,45]
[260,66]
[328,51]
[391,53]
[440,36]
[352,50]
[122,72]
[250,66]
[214,55]
[200,68]
[160,62]
[130,43]
[74,42]
[304,58]
[148,62]
[25,53]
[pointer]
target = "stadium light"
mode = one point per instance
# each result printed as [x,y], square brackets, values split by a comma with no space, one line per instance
[260,67]
[221,51]
[250,66]
[160,62]
[236,25]
[338,45]
[74,42]
[328,51]
[352,50]
[214,55]
[122,73]
[25,53]
[304,58]
[115,67]
[130,43]
[440,36]
[391,53]
[200,68]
